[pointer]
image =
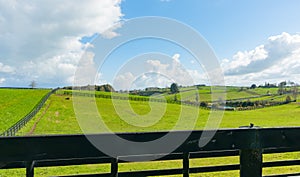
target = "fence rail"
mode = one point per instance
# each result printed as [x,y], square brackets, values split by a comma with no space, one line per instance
[22,122]
[60,150]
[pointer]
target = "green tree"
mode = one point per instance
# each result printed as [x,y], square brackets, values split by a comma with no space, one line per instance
[253,86]
[288,99]
[203,104]
[295,92]
[197,97]
[281,88]
[32,84]
[175,97]
[174,88]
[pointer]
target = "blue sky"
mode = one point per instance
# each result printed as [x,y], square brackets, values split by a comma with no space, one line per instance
[228,25]
[254,41]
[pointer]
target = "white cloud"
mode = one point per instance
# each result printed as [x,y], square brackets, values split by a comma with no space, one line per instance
[45,34]
[244,59]
[278,59]
[6,68]
[152,80]
[124,81]
[110,33]
[176,57]
[157,73]
[2,80]
[86,72]
[57,69]
[156,66]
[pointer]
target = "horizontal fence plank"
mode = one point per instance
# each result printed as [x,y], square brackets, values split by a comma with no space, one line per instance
[164,172]
[78,146]
[46,147]
[94,160]
[63,150]
[281,163]
[285,175]
[214,168]
[135,173]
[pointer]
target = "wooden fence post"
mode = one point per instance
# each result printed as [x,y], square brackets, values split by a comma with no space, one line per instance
[114,167]
[250,163]
[30,169]
[186,164]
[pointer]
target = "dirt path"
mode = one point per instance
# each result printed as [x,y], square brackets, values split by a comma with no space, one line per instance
[38,120]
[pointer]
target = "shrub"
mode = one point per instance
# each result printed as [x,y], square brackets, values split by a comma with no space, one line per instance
[288,99]
[203,104]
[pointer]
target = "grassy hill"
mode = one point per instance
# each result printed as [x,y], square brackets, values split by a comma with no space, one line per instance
[16,103]
[58,117]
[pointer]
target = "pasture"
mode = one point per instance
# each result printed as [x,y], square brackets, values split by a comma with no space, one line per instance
[58,117]
[16,103]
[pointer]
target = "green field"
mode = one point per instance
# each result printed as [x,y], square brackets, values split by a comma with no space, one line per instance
[205,92]
[16,103]
[58,117]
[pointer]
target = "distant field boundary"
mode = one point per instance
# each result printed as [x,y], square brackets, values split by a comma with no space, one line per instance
[218,105]
[22,122]
[134,98]
[27,88]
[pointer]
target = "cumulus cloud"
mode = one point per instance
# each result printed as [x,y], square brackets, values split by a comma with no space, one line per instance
[124,81]
[57,69]
[6,68]
[158,73]
[86,72]
[5,71]
[46,34]
[156,66]
[176,57]
[2,80]
[278,59]
[152,80]
[241,60]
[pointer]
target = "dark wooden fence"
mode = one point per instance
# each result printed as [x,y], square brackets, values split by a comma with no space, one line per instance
[22,122]
[60,150]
